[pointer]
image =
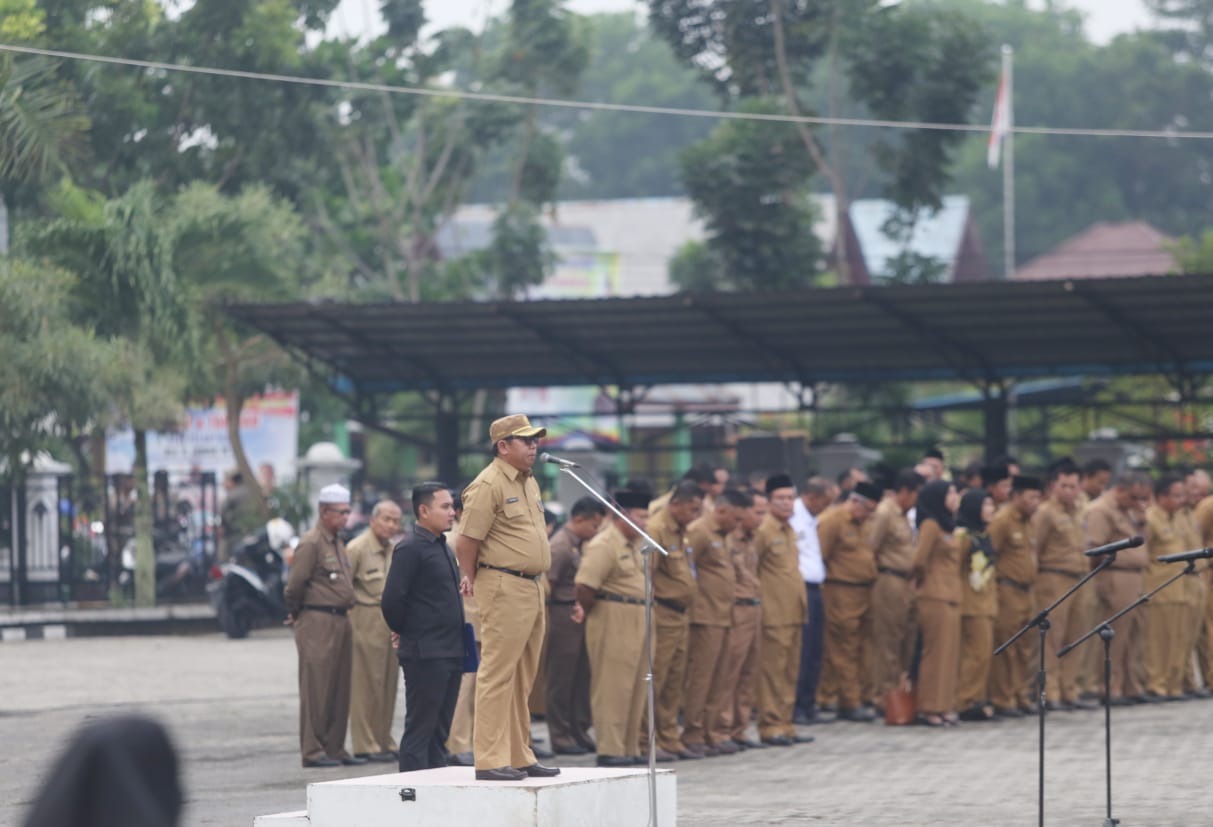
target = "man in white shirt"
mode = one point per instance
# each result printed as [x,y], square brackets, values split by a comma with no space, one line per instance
[813,500]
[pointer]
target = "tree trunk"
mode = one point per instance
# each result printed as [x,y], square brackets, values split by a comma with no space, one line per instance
[233,406]
[145,549]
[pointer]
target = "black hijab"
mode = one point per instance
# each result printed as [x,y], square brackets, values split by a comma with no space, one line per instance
[969,516]
[120,772]
[931,506]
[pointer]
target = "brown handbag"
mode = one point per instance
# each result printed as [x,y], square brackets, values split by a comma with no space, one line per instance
[900,707]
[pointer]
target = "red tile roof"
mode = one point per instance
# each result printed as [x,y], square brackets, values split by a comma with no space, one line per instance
[1130,248]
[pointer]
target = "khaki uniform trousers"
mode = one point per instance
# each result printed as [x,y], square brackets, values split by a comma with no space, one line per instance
[1197,592]
[373,683]
[326,653]
[1009,672]
[940,623]
[1061,682]
[1116,590]
[1204,648]
[460,739]
[827,684]
[737,697]
[567,673]
[707,670]
[1165,651]
[1087,611]
[779,659]
[513,620]
[672,631]
[848,633]
[976,653]
[893,634]
[614,640]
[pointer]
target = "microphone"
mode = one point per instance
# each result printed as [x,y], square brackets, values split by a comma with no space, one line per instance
[1119,545]
[1185,556]
[563,463]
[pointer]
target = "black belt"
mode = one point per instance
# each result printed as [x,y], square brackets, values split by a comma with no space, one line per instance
[747,601]
[1125,568]
[332,610]
[619,598]
[1007,581]
[1063,573]
[832,582]
[670,604]
[514,572]
[562,602]
[904,575]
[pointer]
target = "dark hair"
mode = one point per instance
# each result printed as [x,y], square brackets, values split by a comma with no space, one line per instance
[931,505]
[643,485]
[735,498]
[700,474]
[845,475]
[684,491]
[1129,479]
[1006,459]
[1062,467]
[1163,484]
[587,507]
[908,479]
[423,494]
[549,517]
[933,453]
[1095,466]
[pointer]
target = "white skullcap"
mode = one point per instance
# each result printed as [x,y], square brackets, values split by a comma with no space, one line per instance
[334,495]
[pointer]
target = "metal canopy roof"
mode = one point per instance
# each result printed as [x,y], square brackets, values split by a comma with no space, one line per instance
[981,332]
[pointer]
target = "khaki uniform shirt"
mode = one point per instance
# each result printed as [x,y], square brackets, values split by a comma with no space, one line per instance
[845,549]
[714,573]
[1167,534]
[891,538]
[1104,523]
[566,557]
[745,565]
[658,505]
[673,577]
[1203,516]
[784,600]
[938,557]
[1014,546]
[1060,538]
[369,562]
[609,563]
[503,510]
[320,573]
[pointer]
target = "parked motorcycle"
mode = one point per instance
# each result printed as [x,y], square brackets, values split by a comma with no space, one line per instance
[248,588]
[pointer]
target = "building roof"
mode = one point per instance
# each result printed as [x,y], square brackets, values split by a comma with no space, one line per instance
[979,331]
[1104,250]
[937,236]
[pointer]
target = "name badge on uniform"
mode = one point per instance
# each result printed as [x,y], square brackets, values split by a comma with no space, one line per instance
[691,560]
[511,500]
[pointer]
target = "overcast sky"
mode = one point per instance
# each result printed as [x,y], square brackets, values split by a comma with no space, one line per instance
[1105,18]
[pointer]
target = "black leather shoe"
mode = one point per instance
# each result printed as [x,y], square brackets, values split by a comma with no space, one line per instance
[571,749]
[801,717]
[1083,704]
[615,761]
[746,743]
[1008,712]
[377,757]
[778,741]
[861,715]
[540,752]
[803,739]
[1123,702]
[353,761]
[687,755]
[321,763]
[461,759]
[538,770]
[500,774]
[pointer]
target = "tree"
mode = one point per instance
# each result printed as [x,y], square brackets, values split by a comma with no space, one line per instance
[1194,254]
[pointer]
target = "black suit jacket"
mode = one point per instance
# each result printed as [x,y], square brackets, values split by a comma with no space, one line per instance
[421,601]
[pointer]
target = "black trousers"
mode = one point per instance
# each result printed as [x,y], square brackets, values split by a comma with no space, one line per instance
[431,688]
[811,649]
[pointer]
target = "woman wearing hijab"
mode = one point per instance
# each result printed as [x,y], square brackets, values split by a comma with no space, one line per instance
[978,606]
[937,571]
[120,772]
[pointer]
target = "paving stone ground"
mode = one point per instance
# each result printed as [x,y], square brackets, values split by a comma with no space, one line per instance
[232,709]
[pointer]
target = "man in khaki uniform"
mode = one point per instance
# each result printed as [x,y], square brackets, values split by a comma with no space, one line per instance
[1168,641]
[850,575]
[610,599]
[785,607]
[1061,543]
[711,619]
[503,554]
[894,625]
[568,665]
[1096,474]
[1202,516]
[673,591]
[374,680]
[319,595]
[1014,541]
[1196,588]
[1116,515]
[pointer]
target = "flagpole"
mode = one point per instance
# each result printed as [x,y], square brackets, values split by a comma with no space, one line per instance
[1008,169]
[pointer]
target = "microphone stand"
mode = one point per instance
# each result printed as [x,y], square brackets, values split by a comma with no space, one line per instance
[650,546]
[1041,621]
[1106,633]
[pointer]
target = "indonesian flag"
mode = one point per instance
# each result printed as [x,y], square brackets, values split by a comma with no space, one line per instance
[1001,126]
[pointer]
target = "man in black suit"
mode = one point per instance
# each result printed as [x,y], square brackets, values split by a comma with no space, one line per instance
[421,605]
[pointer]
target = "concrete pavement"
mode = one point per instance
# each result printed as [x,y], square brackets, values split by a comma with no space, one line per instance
[232,710]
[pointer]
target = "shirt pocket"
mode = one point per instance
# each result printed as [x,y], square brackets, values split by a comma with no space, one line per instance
[515,510]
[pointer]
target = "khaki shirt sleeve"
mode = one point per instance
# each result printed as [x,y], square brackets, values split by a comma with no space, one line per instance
[302,567]
[1098,527]
[597,561]
[827,536]
[479,510]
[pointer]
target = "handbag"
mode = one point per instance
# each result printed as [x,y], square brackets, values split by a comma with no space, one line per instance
[471,652]
[900,707]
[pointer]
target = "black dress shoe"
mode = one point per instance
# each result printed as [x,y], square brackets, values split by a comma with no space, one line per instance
[1123,702]
[354,761]
[323,762]
[778,741]
[500,774]
[540,752]
[803,739]
[1082,703]
[615,761]
[1008,712]
[746,743]
[461,759]
[802,718]
[377,757]
[861,714]
[688,755]
[571,749]
[538,770]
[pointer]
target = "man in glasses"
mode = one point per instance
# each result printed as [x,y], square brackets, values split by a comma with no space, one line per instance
[503,553]
[319,594]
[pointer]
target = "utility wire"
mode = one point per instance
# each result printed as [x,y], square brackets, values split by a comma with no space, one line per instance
[600,106]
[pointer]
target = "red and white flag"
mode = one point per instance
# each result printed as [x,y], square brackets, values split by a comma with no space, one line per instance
[1000,129]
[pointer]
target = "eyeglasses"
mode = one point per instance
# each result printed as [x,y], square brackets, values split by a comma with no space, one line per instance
[528,440]
[342,511]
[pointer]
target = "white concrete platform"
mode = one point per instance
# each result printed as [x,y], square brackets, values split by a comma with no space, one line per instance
[578,797]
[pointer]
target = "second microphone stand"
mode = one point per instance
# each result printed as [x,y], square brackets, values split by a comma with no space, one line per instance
[651,545]
[1041,621]
[1106,633]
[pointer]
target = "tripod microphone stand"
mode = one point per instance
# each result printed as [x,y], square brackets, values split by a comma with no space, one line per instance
[651,545]
[1041,621]
[1106,633]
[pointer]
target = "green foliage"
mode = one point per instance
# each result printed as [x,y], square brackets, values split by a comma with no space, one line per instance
[1194,254]
[41,120]
[519,255]
[695,268]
